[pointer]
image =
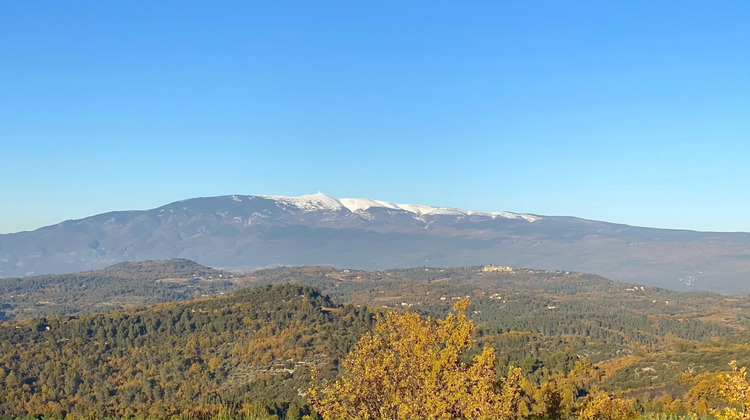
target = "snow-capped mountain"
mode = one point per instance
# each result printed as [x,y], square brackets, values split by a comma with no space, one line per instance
[256,231]
[360,206]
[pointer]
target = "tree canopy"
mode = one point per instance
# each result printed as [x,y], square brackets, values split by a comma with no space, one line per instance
[411,367]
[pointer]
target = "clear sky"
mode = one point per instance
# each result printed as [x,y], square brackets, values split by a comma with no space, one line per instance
[634,112]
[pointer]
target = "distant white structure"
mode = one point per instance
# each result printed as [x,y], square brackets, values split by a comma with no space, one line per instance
[497,268]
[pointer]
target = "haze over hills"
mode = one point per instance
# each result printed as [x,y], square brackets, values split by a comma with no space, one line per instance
[241,231]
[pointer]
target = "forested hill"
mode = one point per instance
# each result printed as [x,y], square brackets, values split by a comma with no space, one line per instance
[177,268]
[133,284]
[251,354]
[120,286]
[180,359]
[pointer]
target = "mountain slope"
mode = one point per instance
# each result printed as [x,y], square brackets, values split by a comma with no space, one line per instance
[257,231]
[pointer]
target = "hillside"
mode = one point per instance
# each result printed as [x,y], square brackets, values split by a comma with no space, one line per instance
[510,295]
[252,352]
[249,232]
[428,290]
[120,286]
[256,346]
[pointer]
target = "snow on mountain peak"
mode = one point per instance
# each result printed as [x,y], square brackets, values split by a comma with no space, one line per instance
[309,203]
[362,204]
[320,201]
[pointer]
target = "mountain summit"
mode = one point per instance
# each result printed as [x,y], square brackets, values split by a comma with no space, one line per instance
[360,206]
[245,231]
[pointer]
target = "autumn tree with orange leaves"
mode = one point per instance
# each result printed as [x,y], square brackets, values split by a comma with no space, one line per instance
[410,367]
[735,388]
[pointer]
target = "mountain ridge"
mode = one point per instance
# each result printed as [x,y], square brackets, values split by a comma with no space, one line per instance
[357,205]
[260,231]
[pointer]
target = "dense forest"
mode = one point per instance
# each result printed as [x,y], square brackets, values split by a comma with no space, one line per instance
[274,335]
[257,346]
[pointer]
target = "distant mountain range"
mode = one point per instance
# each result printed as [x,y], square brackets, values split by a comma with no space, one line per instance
[246,232]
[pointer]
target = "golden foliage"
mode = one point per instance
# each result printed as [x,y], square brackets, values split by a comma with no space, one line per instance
[703,393]
[736,390]
[604,406]
[410,367]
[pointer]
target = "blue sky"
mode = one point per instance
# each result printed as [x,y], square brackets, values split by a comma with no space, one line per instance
[634,112]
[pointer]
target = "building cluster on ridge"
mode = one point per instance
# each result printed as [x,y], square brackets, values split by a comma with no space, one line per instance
[499,268]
